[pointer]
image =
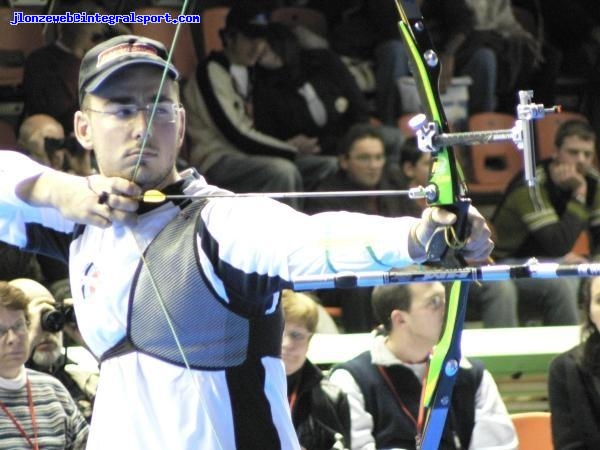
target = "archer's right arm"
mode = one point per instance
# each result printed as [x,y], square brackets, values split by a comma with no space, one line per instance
[34,194]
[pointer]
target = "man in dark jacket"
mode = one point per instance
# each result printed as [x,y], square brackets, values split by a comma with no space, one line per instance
[226,147]
[385,383]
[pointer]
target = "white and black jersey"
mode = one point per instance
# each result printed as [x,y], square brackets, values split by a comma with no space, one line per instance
[245,250]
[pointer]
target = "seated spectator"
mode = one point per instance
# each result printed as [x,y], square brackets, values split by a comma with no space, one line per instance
[42,137]
[567,202]
[384,384]
[36,137]
[320,411]
[546,222]
[38,411]
[369,29]
[574,28]
[525,60]
[224,143]
[572,381]
[361,167]
[311,92]
[47,345]
[51,73]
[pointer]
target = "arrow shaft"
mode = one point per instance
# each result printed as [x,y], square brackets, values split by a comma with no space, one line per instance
[284,195]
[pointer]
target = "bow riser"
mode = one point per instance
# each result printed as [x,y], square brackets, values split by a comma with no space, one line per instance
[447,177]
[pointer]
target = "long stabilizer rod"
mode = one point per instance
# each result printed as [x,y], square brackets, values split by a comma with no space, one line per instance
[496,272]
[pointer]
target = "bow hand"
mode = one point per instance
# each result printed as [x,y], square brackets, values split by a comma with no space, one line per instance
[433,241]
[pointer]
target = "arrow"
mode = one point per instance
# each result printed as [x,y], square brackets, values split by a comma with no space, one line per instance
[156,196]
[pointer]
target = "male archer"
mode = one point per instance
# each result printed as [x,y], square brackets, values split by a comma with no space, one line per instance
[180,299]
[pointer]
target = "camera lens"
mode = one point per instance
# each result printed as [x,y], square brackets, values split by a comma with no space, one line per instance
[69,313]
[53,320]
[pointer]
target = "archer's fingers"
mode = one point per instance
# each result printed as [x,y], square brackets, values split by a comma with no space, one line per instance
[113,185]
[120,203]
[125,188]
[478,250]
[105,215]
[438,216]
[479,243]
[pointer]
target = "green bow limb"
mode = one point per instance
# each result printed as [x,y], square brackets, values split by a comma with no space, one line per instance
[447,177]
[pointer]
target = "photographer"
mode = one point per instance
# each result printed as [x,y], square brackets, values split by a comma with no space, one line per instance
[49,318]
[42,137]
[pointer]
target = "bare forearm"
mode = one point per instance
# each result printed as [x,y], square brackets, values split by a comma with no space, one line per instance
[95,200]
[51,188]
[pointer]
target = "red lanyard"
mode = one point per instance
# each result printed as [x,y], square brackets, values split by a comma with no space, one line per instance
[34,445]
[293,397]
[418,422]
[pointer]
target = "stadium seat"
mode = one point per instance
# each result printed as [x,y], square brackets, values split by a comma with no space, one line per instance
[492,165]
[534,430]
[213,20]
[185,57]
[16,43]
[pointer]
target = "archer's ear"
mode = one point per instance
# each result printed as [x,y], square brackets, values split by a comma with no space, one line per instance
[83,130]
[181,130]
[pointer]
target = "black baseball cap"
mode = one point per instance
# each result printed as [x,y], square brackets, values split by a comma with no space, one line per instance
[248,19]
[110,56]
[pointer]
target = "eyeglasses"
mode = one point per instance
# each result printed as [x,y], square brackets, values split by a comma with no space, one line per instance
[19,328]
[166,112]
[296,336]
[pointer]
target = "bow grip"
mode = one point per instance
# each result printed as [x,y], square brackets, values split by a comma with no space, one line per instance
[445,243]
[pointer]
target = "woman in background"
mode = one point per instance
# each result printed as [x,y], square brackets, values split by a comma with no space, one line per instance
[320,410]
[574,381]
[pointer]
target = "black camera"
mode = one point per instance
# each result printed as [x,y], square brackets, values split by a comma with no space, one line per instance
[55,319]
[70,143]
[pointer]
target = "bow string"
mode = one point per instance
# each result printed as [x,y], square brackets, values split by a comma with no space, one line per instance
[144,261]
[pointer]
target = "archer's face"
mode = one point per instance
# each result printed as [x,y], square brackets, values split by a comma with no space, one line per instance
[106,125]
[364,162]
